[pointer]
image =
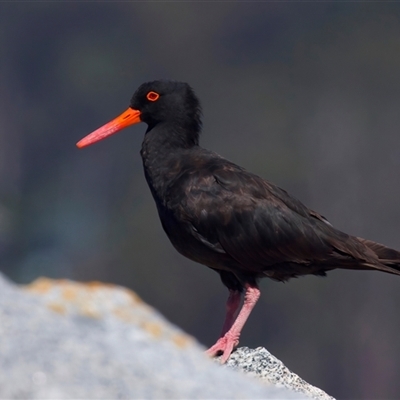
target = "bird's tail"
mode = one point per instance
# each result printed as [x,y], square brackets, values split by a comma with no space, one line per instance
[388,258]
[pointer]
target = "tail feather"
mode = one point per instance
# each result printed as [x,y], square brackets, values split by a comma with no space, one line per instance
[390,258]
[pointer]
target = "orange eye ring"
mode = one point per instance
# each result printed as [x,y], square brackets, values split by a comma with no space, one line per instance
[152,96]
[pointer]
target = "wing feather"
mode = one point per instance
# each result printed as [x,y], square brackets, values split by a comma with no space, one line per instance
[252,226]
[255,222]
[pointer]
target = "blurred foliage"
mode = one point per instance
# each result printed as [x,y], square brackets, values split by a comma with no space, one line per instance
[304,94]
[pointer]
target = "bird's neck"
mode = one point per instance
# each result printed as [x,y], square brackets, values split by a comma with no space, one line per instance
[163,151]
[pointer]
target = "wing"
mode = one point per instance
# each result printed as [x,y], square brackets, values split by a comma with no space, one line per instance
[257,223]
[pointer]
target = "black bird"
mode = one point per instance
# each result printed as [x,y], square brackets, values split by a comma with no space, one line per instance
[220,215]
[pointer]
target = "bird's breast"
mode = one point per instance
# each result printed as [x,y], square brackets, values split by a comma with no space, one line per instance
[183,237]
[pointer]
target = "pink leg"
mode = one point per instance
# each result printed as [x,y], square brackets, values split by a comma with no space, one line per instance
[232,306]
[226,343]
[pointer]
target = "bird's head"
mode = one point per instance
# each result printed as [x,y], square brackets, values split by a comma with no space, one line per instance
[161,101]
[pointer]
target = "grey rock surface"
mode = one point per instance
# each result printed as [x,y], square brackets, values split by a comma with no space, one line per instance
[66,340]
[262,364]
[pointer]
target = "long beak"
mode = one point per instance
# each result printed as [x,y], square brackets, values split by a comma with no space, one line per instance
[128,117]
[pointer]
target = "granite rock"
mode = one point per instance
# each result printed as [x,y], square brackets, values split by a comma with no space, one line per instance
[262,364]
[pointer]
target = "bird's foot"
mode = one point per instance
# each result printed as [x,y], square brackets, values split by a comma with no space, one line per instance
[224,345]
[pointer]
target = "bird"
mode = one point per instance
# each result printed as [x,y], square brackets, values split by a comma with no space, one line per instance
[218,214]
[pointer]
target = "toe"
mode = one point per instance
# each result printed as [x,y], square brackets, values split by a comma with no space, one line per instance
[224,345]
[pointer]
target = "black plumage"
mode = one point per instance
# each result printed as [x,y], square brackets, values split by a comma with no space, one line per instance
[220,215]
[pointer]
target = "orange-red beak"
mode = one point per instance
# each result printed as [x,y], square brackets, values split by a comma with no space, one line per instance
[128,117]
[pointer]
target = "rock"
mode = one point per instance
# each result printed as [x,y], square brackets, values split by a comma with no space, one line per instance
[262,364]
[64,340]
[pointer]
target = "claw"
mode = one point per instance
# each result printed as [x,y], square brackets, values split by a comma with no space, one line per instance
[225,344]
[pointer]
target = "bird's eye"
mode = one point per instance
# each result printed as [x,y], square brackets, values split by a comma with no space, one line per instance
[152,96]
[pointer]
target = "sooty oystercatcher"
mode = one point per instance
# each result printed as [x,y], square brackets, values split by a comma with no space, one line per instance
[220,215]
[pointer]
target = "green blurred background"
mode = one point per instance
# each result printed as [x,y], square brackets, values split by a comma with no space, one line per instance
[306,95]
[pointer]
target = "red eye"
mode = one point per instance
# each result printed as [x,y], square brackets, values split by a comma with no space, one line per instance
[152,96]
